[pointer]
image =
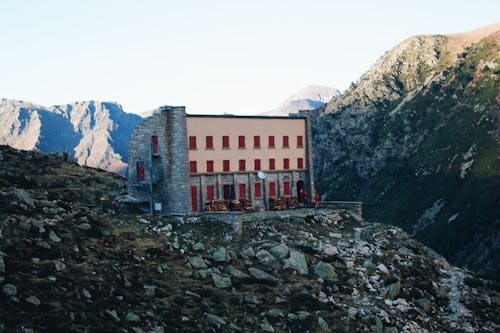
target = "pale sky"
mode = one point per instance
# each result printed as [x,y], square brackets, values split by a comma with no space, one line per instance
[238,57]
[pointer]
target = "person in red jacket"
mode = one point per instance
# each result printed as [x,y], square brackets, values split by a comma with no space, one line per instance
[316,200]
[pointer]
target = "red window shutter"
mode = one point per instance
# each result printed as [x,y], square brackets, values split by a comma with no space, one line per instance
[210,192]
[225,165]
[209,144]
[300,163]
[256,141]
[192,167]
[286,163]
[140,171]
[225,141]
[285,140]
[154,141]
[300,142]
[286,188]
[194,199]
[241,141]
[272,165]
[272,189]
[192,142]
[210,166]
[258,190]
[256,164]
[242,165]
[243,191]
[271,141]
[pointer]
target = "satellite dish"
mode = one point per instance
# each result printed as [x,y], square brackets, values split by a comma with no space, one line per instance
[261,175]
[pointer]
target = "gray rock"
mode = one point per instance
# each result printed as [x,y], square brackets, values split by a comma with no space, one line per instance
[280,251]
[197,262]
[53,237]
[266,258]
[150,290]
[302,315]
[266,327]
[221,282]
[2,266]
[198,246]
[86,293]
[59,266]
[84,227]
[112,314]
[394,288]
[132,317]
[9,290]
[248,252]
[261,275]
[424,303]
[297,261]
[322,324]
[383,269]
[24,197]
[251,299]
[325,271]
[33,300]
[236,273]
[220,255]
[275,313]
[215,320]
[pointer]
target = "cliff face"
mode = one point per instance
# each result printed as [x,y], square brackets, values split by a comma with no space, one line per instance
[417,139]
[96,133]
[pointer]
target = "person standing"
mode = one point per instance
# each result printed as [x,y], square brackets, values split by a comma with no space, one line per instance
[316,200]
[116,211]
[305,199]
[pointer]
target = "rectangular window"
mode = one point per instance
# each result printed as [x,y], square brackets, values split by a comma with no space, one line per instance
[256,141]
[300,163]
[225,141]
[210,166]
[285,141]
[140,171]
[271,141]
[286,163]
[192,142]
[192,167]
[300,142]
[272,189]
[243,191]
[241,141]
[256,164]
[210,192]
[242,165]
[272,165]
[225,165]
[154,142]
[258,190]
[209,142]
[286,188]
[194,198]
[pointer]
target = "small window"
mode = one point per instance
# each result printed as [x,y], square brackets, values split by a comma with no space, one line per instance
[209,142]
[272,189]
[210,166]
[272,164]
[241,141]
[286,163]
[243,191]
[225,141]
[271,141]
[286,188]
[192,167]
[192,142]
[258,190]
[242,165]
[210,192]
[300,163]
[256,141]
[300,141]
[285,141]
[225,165]
[140,171]
[154,142]
[256,164]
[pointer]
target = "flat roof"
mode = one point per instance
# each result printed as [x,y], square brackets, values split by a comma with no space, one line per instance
[244,117]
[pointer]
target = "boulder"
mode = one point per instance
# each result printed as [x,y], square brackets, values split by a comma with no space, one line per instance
[266,258]
[197,262]
[297,261]
[220,255]
[221,282]
[325,271]
[9,290]
[23,197]
[280,251]
[261,275]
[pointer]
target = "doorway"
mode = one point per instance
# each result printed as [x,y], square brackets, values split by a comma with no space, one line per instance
[229,193]
[300,191]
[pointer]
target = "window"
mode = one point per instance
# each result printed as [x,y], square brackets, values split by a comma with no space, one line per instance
[300,142]
[241,141]
[256,141]
[210,166]
[256,164]
[258,190]
[285,141]
[286,163]
[242,165]
[225,141]
[210,192]
[300,163]
[272,189]
[272,165]
[286,188]
[271,141]
[194,198]
[140,171]
[192,167]
[243,191]
[192,142]
[209,142]
[154,142]
[225,165]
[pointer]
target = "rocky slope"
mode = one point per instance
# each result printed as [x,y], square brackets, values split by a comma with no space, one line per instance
[417,139]
[95,133]
[67,265]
